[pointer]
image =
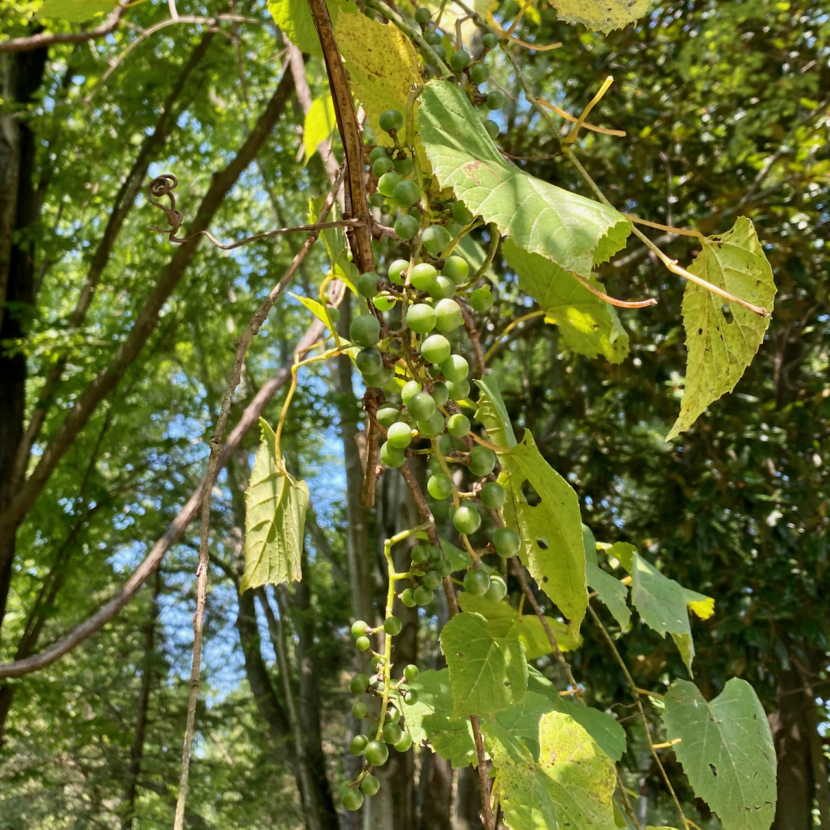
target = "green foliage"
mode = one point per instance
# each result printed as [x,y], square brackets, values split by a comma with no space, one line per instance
[725,747]
[294,18]
[74,11]
[600,15]
[319,124]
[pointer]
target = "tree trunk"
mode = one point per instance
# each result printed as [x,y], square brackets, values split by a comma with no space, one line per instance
[467,801]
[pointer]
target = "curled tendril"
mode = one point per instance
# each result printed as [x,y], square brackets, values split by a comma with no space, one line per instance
[160,187]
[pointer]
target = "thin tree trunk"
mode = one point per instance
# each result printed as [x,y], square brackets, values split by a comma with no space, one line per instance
[467,801]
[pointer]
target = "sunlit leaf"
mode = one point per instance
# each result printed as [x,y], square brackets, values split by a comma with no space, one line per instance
[295,20]
[320,122]
[601,15]
[75,11]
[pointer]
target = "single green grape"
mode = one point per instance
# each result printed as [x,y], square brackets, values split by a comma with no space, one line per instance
[411,673]
[433,38]
[490,40]
[410,389]
[421,318]
[410,696]
[458,425]
[377,200]
[352,799]
[369,361]
[440,51]
[479,73]
[442,289]
[439,486]
[456,267]
[455,369]
[492,128]
[435,238]
[432,579]
[392,456]
[408,598]
[358,744]
[423,15]
[415,212]
[506,542]
[492,495]
[363,643]
[405,742]
[396,271]
[369,785]
[466,519]
[495,99]
[434,553]
[392,626]
[378,152]
[497,590]
[435,349]
[420,554]
[482,461]
[384,303]
[448,316]
[365,330]
[406,193]
[360,709]
[423,595]
[390,120]
[458,390]
[388,182]
[481,300]
[440,394]
[376,662]
[476,582]
[460,60]
[367,284]
[423,276]
[334,313]
[399,435]
[388,414]
[381,166]
[377,753]
[443,568]
[432,426]
[381,379]
[404,166]
[406,227]
[421,406]
[359,628]
[392,733]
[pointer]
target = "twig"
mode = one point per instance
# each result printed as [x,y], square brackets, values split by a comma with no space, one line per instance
[370,474]
[608,298]
[474,336]
[627,802]
[571,137]
[568,117]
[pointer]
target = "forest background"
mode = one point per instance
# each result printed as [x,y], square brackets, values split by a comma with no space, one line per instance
[116,346]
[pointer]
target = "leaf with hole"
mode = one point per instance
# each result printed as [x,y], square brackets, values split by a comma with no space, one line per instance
[726,751]
[722,337]
[275,509]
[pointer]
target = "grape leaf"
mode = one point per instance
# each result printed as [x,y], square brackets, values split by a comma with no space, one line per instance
[295,20]
[382,65]
[430,719]
[487,674]
[275,508]
[312,305]
[601,15]
[589,325]
[720,350]
[504,621]
[566,228]
[726,751]
[493,413]
[334,240]
[75,11]
[612,593]
[320,122]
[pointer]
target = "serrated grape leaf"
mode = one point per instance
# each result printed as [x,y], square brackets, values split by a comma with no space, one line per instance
[295,20]
[312,305]
[492,413]
[726,751]
[75,11]
[522,721]
[566,228]
[589,325]
[275,508]
[601,15]
[612,592]
[430,719]
[571,785]
[487,673]
[504,621]
[382,64]
[720,351]
[319,124]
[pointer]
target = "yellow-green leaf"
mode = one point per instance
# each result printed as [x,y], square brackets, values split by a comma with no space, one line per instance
[320,122]
[722,345]
[75,11]
[601,15]
[294,18]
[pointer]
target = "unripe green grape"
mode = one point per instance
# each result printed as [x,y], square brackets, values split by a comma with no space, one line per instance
[423,276]
[410,696]
[435,238]
[458,389]
[442,289]
[434,553]
[490,40]
[460,60]
[440,51]
[376,662]
[458,425]
[404,166]
[466,519]
[481,300]
[381,166]
[404,743]
[445,445]
[369,361]
[420,554]
[392,626]
[384,303]
[369,785]
[392,456]
[376,200]
[396,270]
[409,391]
[334,312]
[443,568]
[388,414]
[415,213]
[456,267]
[492,495]
[492,128]
[392,733]
[358,744]
[406,227]
[363,643]
[455,369]
[497,590]
[435,349]
[390,120]
[365,330]
[423,595]
[408,598]
[506,542]
[411,673]
[440,394]
[432,426]
[479,73]
[432,579]
[439,486]
[399,435]
[359,628]
[352,799]
[360,709]
[495,99]
[482,461]
[448,316]
[423,15]
[432,37]
[388,182]
[476,582]
[377,753]
[379,152]
[406,193]
[421,406]
[367,284]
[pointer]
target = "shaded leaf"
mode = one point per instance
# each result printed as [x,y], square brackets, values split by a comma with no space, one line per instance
[568,229]
[720,351]
[320,122]
[492,413]
[589,325]
[334,240]
[612,593]
[601,15]
[726,751]
[275,508]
